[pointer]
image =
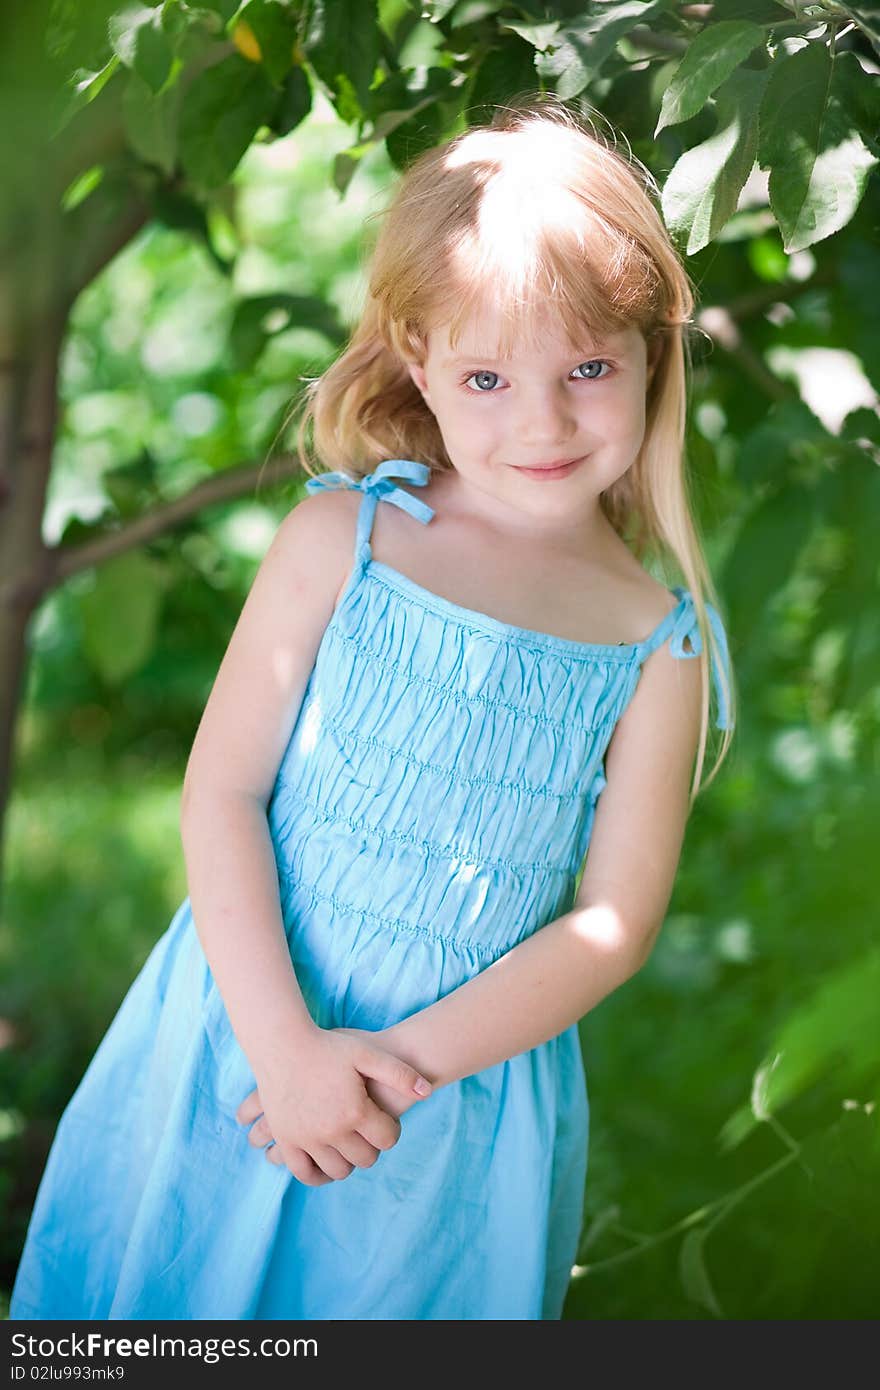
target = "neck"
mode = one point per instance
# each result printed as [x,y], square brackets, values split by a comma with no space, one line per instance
[580,531]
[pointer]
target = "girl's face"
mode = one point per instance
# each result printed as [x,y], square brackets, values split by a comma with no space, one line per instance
[502,420]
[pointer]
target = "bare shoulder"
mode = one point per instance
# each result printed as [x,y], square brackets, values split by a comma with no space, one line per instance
[665,709]
[321,530]
[325,520]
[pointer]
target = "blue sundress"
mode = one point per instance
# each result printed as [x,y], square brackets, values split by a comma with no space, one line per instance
[432,809]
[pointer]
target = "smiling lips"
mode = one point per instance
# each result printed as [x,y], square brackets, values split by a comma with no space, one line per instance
[559,468]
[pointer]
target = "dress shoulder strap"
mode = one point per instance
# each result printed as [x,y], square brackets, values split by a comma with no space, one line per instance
[680,625]
[373,486]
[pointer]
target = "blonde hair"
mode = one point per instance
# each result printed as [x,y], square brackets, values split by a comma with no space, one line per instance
[544,210]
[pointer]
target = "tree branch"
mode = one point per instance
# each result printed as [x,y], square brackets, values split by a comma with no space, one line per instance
[755,301]
[63,561]
[99,250]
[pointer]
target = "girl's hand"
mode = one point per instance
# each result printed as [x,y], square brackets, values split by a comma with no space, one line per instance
[316,1110]
[394,1102]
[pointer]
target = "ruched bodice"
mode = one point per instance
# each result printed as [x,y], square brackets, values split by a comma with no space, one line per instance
[462,755]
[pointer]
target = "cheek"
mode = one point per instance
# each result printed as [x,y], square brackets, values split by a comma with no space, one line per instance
[629,409]
[460,418]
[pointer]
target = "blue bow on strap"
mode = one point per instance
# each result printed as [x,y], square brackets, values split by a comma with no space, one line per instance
[686,628]
[380,485]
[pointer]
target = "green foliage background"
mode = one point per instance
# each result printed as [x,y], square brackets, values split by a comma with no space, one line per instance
[733,1082]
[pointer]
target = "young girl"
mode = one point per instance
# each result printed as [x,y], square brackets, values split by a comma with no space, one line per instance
[347,1082]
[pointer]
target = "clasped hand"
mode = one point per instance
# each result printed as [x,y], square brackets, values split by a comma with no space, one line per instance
[333,1107]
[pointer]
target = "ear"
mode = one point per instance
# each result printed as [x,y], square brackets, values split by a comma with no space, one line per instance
[418,375]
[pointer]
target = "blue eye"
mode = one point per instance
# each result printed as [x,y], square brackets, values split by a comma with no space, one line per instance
[485,380]
[594,362]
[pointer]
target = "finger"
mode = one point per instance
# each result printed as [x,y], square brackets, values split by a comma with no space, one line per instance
[331,1162]
[359,1151]
[379,1128]
[260,1134]
[249,1109]
[303,1168]
[383,1067]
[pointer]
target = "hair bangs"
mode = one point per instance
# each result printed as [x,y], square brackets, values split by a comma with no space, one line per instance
[531,229]
[595,285]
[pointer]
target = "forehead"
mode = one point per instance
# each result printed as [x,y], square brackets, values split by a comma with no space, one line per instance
[481,337]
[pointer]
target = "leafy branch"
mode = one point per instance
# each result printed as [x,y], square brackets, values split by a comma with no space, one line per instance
[696,1227]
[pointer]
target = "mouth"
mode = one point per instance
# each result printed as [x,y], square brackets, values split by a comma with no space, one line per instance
[558,468]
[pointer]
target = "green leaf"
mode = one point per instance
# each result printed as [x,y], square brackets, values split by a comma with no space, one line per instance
[258,319]
[294,104]
[394,104]
[84,184]
[85,86]
[176,21]
[585,44]
[838,1024]
[150,120]
[342,45]
[736,1128]
[274,27]
[472,11]
[765,552]
[769,451]
[703,187]
[708,61]
[222,110]
[810,142]
[419,132]
[404,93]
[759,1099]
[120,615]
[693,1271]
[183,214]
[224,8]
[862,425]
[834,1032]
[504,71]
[138,39]
[867,20]
[76,34]
[435,10]
[540,36]
[423,46]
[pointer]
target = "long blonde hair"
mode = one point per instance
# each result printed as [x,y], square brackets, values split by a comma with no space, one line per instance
[544,210]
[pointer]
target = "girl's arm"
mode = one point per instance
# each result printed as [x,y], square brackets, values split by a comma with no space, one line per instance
[550,980]
[305,1072]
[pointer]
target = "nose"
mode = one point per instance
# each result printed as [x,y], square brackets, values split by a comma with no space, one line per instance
[545,418]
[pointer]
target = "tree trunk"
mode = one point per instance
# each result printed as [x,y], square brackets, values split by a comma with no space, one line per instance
[29,352]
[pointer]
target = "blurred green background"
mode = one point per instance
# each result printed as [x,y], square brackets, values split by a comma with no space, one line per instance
[733,1083]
